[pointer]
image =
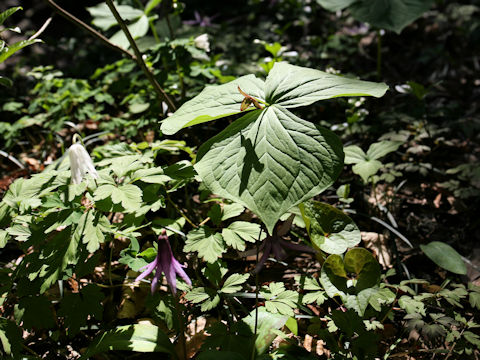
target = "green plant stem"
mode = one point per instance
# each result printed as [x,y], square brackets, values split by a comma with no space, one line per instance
[181,212]
[179,68]
[379,55]
[455,343]
[89,29]
[110,264]
[181,326]
[139,57]
[31,351]
[257,290]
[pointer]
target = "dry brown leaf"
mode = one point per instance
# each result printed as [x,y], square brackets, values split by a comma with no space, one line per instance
[378,243]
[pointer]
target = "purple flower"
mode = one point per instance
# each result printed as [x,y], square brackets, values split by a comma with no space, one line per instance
[278,247]
[166,263]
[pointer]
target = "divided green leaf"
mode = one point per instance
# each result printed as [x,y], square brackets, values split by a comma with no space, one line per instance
[139,337]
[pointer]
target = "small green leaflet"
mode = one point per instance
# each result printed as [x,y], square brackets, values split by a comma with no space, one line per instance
[367,165]
[234,283]
[96,225]
[10,338]
[4,236]
[207,243]
[129,196]
[411,306]
[7,13]
[208,298]
[139,337]
[238,232]
[6,52]
[279,300]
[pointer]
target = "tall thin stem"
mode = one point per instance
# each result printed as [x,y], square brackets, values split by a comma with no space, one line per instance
[257,290]
[181,329]
[156,86]
[89,29]
[379,54]
[179,68]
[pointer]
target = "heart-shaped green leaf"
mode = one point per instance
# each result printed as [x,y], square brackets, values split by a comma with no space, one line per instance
[214,102]
[329,228]
[269,161]
[354,278]
[293,86]
[392,14]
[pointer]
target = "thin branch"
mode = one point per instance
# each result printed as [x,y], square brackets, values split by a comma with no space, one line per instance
[161,93]
[12,159]
[89,29]
[41,30]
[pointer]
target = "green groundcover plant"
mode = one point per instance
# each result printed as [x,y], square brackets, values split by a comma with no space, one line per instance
[168,225]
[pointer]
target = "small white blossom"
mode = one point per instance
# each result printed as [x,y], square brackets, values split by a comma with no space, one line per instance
[80,163]
[202,42]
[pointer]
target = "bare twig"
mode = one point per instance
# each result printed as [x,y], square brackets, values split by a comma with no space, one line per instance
[89,29]
[41,30]
[12,159]
[158,89]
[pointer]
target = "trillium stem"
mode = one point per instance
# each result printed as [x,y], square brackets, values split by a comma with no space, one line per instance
[257,290]
[379,54]
[139,58]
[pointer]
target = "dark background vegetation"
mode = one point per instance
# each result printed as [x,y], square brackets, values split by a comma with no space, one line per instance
[435,193]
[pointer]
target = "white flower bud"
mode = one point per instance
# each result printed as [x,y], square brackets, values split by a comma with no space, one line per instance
[202,42]
[80,163]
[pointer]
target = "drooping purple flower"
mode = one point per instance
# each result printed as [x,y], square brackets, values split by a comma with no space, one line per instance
[275,245]
[166,263]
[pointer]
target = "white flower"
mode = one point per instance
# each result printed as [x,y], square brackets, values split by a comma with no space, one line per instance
[202,42]
[80,163]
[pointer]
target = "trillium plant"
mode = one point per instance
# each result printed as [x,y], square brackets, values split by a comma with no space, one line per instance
[269,160]
[261,174]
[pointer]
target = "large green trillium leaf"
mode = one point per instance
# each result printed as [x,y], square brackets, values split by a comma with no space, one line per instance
[293,86]
[354,278]
[269,161]
[214,102]
[329,228]
[392,15]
